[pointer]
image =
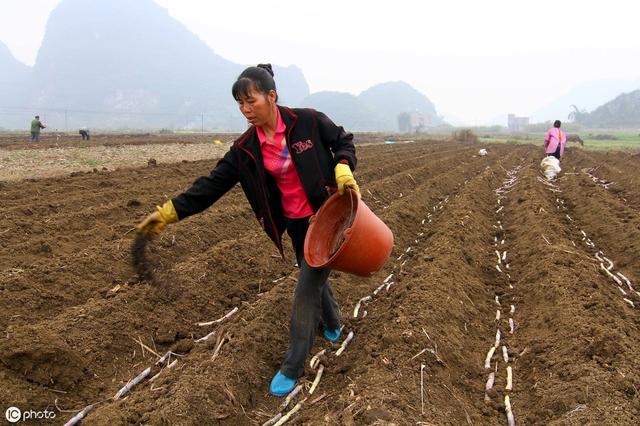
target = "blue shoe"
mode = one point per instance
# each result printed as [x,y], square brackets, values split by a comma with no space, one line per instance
[281,385]
[332,335]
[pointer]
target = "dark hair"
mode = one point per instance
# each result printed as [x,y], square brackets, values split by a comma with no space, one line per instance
[260,78]
[37,116]
[557,124]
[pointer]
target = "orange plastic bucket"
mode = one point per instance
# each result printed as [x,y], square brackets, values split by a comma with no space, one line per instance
[347,236]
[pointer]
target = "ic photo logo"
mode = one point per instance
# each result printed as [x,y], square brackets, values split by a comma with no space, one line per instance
[13,414]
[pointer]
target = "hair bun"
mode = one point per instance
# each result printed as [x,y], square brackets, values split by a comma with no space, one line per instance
[266,67]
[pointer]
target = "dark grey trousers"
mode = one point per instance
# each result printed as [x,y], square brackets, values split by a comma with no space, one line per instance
[313,304]
[555,154]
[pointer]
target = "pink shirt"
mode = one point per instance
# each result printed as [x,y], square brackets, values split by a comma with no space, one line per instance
[277,162]
[551,139]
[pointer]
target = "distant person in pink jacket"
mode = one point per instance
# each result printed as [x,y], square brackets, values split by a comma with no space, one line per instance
[555,140]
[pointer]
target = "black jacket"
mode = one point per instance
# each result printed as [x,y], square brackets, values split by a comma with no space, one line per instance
[316,145]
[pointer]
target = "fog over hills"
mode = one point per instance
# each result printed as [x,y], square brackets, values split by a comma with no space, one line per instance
[119,55]
[344,108]
[392,98]
[621,112]
[14,77]
[129,64]
[100,59]
[587,96]
[377,107]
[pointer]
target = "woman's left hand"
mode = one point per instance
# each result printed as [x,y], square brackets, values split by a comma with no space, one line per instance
[345,179]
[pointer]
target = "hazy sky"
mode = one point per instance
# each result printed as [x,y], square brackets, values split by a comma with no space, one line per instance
[473,59]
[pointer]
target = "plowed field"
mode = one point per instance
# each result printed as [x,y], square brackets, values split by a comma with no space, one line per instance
[487,255]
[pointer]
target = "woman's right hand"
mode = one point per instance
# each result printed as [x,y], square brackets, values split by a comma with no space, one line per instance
[156,221]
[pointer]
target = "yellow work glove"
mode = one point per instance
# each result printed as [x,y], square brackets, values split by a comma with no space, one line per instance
[156,221]
[344,178]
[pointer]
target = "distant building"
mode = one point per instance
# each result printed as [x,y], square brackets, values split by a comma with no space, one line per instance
[409,122]
[517,124]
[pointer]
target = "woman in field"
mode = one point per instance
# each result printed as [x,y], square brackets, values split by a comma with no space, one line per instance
[555,140]
[288,163]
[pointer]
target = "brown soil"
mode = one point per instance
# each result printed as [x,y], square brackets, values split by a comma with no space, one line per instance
[53,140]
[74,313]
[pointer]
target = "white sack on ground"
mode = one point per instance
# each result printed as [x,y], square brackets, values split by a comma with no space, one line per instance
[550,167]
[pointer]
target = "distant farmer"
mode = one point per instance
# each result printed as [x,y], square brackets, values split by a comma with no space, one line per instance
[288,162]
[84,132]
[555,140]
[36,125]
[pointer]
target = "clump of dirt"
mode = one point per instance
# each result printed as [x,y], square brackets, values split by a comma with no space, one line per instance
[41,357]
